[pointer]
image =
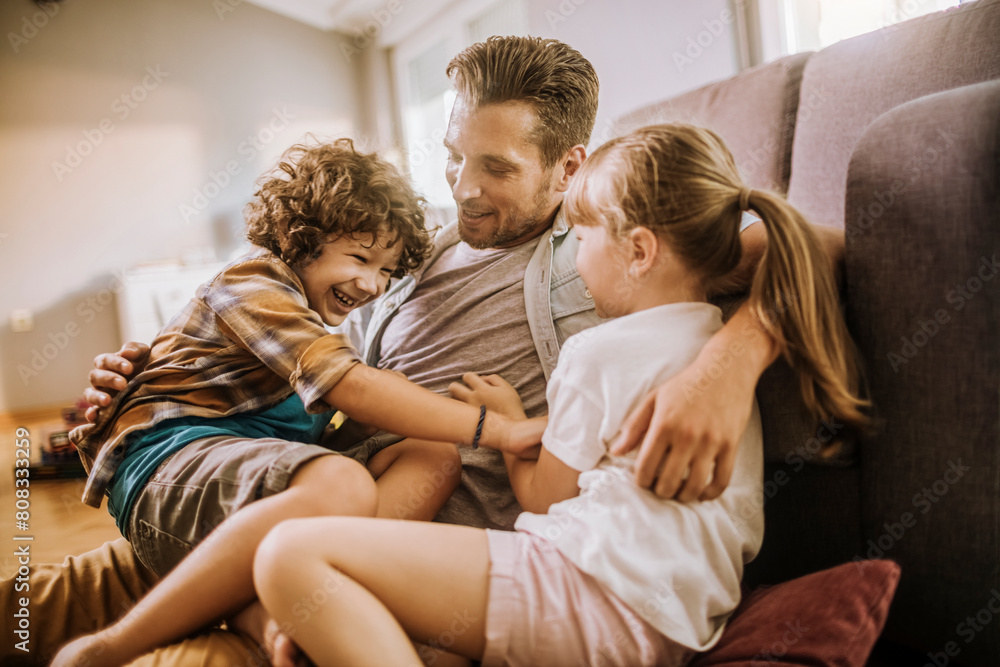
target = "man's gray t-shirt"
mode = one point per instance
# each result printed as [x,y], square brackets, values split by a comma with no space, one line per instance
[467,314]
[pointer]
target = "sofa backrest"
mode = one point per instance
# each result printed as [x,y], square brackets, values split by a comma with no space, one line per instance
[754,112]
[855,81]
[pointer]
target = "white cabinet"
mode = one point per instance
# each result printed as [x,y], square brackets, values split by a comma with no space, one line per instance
[152,295]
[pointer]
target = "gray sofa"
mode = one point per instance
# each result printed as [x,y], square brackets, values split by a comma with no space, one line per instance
[893,136]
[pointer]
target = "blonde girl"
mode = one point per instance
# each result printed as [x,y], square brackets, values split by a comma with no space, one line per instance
[598,571]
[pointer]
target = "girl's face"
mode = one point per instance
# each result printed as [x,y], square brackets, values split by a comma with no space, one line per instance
[349,272]
[601,261]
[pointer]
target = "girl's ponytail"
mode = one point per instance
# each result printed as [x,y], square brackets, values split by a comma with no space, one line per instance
[682,182]
[795,298]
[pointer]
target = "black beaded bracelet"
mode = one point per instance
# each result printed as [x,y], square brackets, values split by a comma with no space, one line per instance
[479,427]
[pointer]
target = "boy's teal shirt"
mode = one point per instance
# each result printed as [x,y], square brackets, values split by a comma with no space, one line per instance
[146,450]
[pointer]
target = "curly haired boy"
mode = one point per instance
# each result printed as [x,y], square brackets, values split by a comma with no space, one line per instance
[215,437]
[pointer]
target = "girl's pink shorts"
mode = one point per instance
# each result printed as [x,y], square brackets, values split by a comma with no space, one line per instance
[543,610]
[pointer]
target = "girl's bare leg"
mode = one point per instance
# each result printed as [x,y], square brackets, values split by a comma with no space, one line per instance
[216,579]
[414,479]
[360,591]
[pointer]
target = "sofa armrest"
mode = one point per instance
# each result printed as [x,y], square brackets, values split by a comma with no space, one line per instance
[923,286]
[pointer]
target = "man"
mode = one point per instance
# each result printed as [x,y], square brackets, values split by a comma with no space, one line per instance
[501,293]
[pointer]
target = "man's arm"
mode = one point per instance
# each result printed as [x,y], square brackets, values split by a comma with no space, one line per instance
[111,373]
[693,423]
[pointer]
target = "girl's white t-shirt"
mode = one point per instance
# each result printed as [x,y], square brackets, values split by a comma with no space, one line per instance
[677,565]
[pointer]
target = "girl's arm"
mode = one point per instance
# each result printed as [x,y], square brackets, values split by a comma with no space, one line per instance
[542,482]
[383,399]
[537,483]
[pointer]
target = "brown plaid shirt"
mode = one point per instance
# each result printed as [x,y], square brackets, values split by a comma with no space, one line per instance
[245,343]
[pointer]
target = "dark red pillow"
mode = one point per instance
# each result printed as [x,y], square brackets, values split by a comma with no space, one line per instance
[832,617]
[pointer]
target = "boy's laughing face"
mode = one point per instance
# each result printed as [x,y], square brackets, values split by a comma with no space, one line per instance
[349,272]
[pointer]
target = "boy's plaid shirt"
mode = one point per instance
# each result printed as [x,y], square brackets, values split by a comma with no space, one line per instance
[246,342]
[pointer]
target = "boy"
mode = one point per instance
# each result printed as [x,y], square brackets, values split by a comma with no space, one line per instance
[246,376]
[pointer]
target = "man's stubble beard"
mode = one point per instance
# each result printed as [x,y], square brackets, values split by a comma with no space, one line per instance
[517,234]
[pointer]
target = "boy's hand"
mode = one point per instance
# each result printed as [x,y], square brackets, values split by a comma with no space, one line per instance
[111,373]
[492,391]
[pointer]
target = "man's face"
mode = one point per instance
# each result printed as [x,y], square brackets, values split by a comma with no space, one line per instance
[505,195]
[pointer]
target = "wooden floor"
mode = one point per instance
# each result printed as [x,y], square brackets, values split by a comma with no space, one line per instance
[60,524]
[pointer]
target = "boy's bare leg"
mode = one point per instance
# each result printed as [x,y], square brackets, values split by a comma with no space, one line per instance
[215,580]
[377,584]
[414,478]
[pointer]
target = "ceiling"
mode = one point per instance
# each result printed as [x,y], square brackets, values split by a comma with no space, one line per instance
[376,18]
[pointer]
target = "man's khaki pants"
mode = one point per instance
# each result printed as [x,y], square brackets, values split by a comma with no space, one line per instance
[89,592]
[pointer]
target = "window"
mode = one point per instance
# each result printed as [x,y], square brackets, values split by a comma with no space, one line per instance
[419,64]
[810,25]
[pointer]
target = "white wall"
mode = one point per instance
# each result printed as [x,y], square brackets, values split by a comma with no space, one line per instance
[643,50]
[223,70]
[93,182]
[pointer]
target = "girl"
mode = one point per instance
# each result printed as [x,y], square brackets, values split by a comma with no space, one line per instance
[599,571]
[217,430]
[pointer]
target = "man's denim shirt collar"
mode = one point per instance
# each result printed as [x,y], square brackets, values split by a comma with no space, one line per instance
[556,300]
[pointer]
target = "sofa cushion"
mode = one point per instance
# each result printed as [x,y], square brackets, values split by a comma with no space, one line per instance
[831,617]
[923,287]
[854,81]
[754,112]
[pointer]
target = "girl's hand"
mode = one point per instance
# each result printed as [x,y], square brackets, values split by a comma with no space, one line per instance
[492,391]
[526,438]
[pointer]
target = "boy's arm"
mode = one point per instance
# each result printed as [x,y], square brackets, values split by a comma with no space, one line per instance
[386,400]
[693,423]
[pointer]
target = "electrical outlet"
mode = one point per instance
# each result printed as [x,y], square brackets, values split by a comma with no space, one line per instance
[22,321]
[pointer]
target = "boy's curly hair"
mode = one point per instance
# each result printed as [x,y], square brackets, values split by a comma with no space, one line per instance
[331,190]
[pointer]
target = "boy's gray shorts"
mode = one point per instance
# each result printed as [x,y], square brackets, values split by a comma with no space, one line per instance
[199,486]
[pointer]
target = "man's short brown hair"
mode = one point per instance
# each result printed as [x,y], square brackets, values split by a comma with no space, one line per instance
[553,77]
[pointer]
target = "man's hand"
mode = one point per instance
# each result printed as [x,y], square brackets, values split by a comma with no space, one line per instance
[111,373]
[688,431]
[490,390]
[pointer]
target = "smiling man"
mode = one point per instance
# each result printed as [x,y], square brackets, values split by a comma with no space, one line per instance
[501,294]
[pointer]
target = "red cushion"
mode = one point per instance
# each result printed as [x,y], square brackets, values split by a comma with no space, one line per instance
[832,617]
